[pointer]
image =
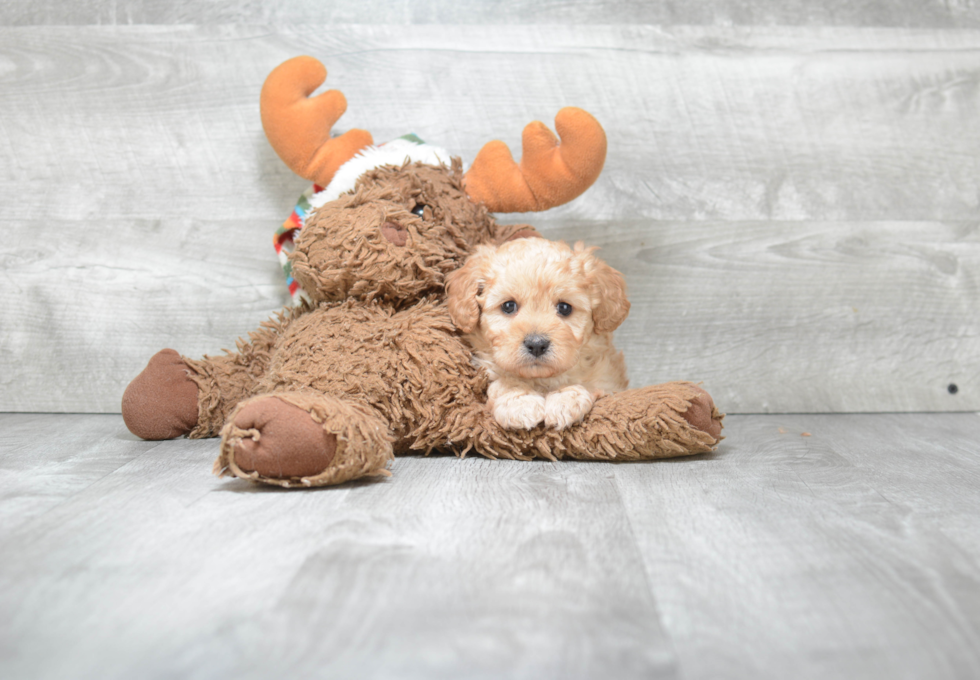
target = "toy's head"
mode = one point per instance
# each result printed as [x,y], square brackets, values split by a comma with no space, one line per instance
[393,238]
[393,220]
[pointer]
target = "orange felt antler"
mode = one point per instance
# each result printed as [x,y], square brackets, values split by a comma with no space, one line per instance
[549,174]
[298,127]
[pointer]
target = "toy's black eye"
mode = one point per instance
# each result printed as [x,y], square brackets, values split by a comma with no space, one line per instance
[509,307]
[564,309]
[418,209]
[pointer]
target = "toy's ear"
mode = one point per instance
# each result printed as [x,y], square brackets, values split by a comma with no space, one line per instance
[465,287]
[607,290]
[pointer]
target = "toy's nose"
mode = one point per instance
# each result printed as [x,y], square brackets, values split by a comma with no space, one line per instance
[536,345]
[395,233]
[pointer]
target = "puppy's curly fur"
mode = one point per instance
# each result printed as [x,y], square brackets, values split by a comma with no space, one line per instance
[540,317]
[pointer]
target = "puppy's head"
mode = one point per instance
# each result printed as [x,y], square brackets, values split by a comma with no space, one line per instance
[532,304]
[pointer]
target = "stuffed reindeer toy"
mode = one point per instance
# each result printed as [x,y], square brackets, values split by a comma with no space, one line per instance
[370,364]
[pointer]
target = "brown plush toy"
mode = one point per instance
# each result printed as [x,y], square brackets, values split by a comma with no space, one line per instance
[371,365]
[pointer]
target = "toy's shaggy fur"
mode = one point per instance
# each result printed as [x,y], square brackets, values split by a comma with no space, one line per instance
[377,363]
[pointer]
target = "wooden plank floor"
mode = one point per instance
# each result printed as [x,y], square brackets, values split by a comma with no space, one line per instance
[852,552]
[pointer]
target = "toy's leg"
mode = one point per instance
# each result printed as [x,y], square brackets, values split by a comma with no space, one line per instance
[303,439]
[703,415]
[174,395]
[161,402]
[660,421]
[223,382]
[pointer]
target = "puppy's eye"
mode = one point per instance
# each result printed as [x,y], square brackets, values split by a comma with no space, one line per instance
[509,307]
[564,309]
[418,209]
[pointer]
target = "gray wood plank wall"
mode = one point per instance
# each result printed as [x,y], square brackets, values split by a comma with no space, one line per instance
[910,13]
[791,191]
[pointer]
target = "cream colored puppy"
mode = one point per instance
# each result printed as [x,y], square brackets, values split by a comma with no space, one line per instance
[540,316]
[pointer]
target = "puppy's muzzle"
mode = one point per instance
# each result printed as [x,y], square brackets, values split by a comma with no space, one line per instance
[536,345]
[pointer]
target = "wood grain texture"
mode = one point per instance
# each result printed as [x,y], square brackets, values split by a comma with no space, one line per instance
[773,317]
[802,316]
[852,552]
[930,472]
[703,123]
[160,569]
[827,555]
[93,304]
[918,13]
[140,195]
[39,471]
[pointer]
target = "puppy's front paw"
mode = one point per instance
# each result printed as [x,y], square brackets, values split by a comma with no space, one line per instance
[519,412]
[567,406]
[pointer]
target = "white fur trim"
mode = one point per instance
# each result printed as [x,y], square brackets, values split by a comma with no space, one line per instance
[392,153]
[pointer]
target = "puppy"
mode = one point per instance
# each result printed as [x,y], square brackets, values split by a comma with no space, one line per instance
[540,316]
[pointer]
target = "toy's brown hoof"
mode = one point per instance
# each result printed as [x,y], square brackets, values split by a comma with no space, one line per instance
[703,416]
[161,402]
[285,441]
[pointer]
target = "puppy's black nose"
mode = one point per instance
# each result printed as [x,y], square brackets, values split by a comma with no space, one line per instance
[536,344]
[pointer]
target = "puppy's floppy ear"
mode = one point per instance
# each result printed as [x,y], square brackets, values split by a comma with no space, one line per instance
[607,290]
[465,285]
